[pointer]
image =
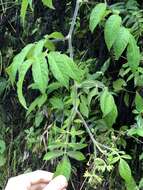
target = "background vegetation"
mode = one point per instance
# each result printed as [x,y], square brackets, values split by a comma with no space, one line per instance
[71,96]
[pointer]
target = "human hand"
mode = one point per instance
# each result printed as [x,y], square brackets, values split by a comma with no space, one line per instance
[38,180]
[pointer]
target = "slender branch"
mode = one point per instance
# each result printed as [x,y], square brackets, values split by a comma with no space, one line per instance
[96,143]
[72,28]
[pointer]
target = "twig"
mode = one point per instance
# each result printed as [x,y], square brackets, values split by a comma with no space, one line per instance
[3,8]
[71,30]
[60,40]
[83,183]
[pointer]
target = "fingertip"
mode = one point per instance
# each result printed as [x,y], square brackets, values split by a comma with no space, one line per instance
[63,179]
[40,176]
[58,183]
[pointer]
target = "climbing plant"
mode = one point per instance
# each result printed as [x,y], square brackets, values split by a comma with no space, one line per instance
[79,91]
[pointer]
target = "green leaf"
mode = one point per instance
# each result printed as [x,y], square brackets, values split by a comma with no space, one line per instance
[139,102]
[2,146]
[77,146]
[58,71]
[132,185]
[30,4]
[133,54]
[64,168]
[112,28]
[75,132]
[111,117]
[50,45]
[56,145]
[39,101]
[56,35]
[40,73]
[38,48]
[125,173]
[121,42]
[126,156]
[2,160]
[97,15]
[42,100]
[39,118]
[77,155]
[106,102]
[106,65]
[84,106]
[141,184]
[69,66]
[53,155]
[91,83]
[48,3]
[53,86]
[64,68]
[57,103]
[126,99]
[135,131]
[108,108]
[119,84]
[17,61]
[91,94]
[23,10]
[3,84]
[33,86]
[22,72]
[114,160]
[124,170]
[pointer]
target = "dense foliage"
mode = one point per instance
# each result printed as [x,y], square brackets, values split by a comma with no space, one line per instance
[71,96]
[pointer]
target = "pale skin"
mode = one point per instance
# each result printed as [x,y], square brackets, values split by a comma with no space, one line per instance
[38,180]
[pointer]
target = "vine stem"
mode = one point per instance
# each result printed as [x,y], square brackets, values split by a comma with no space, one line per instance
[70,48]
